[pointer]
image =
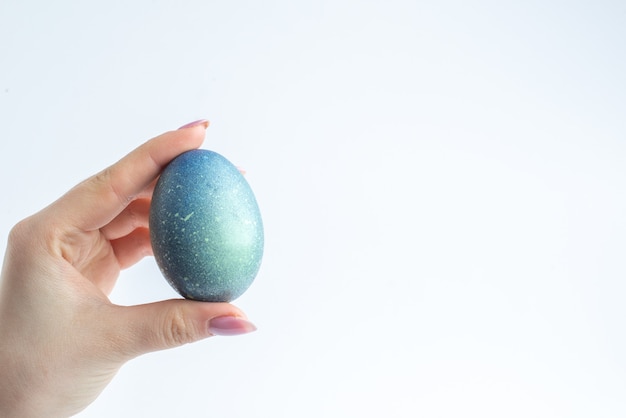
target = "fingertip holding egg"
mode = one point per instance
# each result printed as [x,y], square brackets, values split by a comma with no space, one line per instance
[205,227]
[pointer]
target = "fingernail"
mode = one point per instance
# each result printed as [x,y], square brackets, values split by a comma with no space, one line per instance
[230,325]
[196,123]
[241,170]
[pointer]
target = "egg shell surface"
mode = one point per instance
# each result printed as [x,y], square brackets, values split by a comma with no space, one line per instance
[205,227]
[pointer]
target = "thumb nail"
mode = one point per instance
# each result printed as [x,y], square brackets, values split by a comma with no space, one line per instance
[196,123]
[230,325]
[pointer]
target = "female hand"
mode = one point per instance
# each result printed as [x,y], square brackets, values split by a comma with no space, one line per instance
[61,338]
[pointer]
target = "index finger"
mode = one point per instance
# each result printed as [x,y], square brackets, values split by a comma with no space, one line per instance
[95,202]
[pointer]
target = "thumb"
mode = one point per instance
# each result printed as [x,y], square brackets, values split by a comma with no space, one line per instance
[172,323]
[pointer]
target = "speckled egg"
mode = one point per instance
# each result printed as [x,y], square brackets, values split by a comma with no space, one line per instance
[205,227]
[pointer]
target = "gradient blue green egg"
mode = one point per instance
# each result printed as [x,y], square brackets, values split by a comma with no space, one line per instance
[206,228]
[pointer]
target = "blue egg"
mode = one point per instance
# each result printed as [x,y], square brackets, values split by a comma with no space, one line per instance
[205,227]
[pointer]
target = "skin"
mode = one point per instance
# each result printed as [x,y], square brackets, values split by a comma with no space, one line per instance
[61,338]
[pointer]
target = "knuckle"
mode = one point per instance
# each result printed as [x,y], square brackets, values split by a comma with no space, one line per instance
[101,178]
[138,213]
[178,329]
[35,233]
[104,180]
[19,233]
[27,233]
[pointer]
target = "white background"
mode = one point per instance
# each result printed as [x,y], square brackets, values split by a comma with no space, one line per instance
[442,184]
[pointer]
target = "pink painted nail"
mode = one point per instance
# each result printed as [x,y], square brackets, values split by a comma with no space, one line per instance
[230,325]
[196,123]
[241,170]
